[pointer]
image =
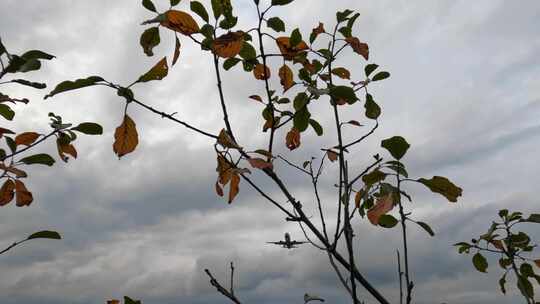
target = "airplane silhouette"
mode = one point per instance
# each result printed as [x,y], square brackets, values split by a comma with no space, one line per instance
[287,243]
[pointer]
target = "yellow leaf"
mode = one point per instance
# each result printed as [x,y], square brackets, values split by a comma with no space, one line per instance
[382,206]
[228,45]
[126,137]
[286,77]
[234,187]
[180,21]
[261,72]
[22,195]
[26,138]
[6,192]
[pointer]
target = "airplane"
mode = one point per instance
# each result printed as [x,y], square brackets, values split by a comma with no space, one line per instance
[287,243]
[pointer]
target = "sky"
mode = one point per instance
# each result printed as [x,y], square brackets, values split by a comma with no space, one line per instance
[464,93]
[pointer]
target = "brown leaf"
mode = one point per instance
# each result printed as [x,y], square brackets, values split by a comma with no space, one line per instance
[157,72]
[228,45]
[382,206]
[288,51]
[318,30]
[23,197]
[342,73]
[260,163]
[18,172]
[354,123]
[223,169]
[358,47]
[256,97]
[177,46]
[286,77]
[113,302]
[126,137]
[26,138]
[226,140]
[292,140]
[332,156]
[261,72]
[5,131]
[219,190]
[497,244]
[180,21]
[234,187]
[64,149]
[6,192]
[537,262]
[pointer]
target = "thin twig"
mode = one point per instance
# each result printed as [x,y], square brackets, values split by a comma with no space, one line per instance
[222,289]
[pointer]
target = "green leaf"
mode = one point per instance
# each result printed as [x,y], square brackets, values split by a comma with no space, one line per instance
[230,62]
[533,218]
[30,65]
[397,146]
[301,119]
[157,72]
[526,269]
[199,9]
[316,126]
[276,24]
[525,287]
[345,31]
[480,262]
[6,111]
[342,16]
[36,85]
[426,227]
[175,2]
[42,159]
[150,39]
[387,221]
[11,144]
[300,101]
[370,68]
[373,111]
[281,2]
[296,37]
[37,54]
[502,281]
[380,76]
[89,128]
[373,177]
[149,5]
[73,85]
[248,51]
[443,186]
[217,8]
[45,234]
[128,300]
[207,30]
[343,93]
[352,20]
[504,212]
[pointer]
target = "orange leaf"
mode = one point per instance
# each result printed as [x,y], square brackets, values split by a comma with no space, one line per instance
[332,156]
[382,206]
[234,188]
[286,77]
[177,46]
[228,45]
[26,138]
[342,73]
[292,140]
[359,47]
[260,163]
[179,21]
[537,262]
[261,72]
[18,172]
[126,137]
[64,149]
[288,51]
[219,190]
[6,192]
[22,195]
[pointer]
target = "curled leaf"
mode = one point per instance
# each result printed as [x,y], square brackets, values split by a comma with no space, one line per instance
[234,188]
[382,206]
[358,47]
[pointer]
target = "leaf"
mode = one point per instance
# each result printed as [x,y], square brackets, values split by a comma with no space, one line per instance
[5,131]
[332,156]
[260,163]
[497,244]
[73,85]
[126,137]
[150,39]
[65,148]
[537,263]
[502,282]
[226,140]
[443,186]
[11,169]
[316,127]
[370,68]
[175,2]
[373,177]
[354,123]
[292,140]
[480,262]
[286,77]
[396,145]
[343,94]
[301,119]
[234,187]
[387,221]
[261,72]
[219,190]
[342,16]
[23,197]
[42,159]
[276,24]
[36,85]
[7,192]
[6,111]
[288,50]
[26,138]
[230,62]
[228,45]
[248,52]
[358,47]
[180,21]
[342,73]
[89,128]
[217,8]
[281,2]
[199,9]
[256,97]
[525,287]
[296,37]
[426,227]
[45,234]
[382,206]
[149,5]
[373,111]
[315,32]
[157,72]
[533,218]
[380,76]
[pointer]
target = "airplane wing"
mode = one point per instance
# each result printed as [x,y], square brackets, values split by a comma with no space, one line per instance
[297,243]
[277,243]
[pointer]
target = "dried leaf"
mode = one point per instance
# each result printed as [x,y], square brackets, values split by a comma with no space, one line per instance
[157,72]
[286,77]
[64,149]
[5,131]
[443,186]
[256,97]
[260,163]
[228,45]
[497,244]
[7,192]
[26,138]
[18,172]
[176,55]
[332,156]
[261,72]
[292,140]
[342,73]
[219,190]
[358,47]
[22,195]
[126,137]
[382,206]
[288,51]
[226,140]
[234,187]
[316,31]
[354,123]
[180,21]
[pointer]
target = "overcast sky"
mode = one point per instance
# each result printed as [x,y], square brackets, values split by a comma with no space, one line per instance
[464,92]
